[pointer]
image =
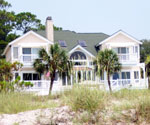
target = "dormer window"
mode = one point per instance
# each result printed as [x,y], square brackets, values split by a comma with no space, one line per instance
[82,43]
[62,43]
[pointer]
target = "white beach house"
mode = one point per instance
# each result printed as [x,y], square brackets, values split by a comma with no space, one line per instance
[82,48]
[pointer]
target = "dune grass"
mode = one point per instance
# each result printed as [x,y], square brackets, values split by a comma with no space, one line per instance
[18,102]
[83,98]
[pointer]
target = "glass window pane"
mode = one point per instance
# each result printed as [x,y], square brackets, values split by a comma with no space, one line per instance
[15,52]
[35,50]
[125,75]
[16,75]
[115,50]
[27,76]
[123,50]
[136,75]
[136,49]
[26,58]
[115,76]
[56,76]
[36,76]
[26,50]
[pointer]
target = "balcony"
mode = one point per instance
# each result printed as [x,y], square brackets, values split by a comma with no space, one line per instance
[28,59]
[128,58]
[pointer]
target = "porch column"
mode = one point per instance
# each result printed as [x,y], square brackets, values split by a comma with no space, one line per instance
[76,76]
[66,80]
[81,75]
[140,75]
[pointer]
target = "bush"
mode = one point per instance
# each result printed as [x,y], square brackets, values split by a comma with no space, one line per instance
[85,98]
[16,85]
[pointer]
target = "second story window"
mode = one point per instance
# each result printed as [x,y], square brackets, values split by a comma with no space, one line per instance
[29,54]
[26,51]
[15,52]
[135,49]
[121,50]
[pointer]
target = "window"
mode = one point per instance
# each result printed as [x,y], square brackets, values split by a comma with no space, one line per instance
[26,51]
[121,50]
[125,75]
[35,50]
[16,75]
[115,76]
[135,49]
[62,43]
[56,76]
[78,55]
[31,76]
[136,75]
[15,52]
[82,43]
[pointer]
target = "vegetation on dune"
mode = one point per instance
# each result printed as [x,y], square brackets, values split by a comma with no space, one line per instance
[83,98]
[91,104]
[19,102]
[6,76]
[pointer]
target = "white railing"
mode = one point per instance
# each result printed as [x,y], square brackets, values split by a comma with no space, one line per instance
[126,83]
[128,57]
[82,63]
[28,58]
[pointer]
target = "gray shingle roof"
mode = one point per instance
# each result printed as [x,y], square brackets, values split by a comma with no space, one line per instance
[72,38]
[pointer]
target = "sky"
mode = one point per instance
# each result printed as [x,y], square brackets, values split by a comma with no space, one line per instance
[107,16]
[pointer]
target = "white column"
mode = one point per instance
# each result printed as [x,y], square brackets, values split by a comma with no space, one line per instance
[140,75]
[66,80]
[81,75]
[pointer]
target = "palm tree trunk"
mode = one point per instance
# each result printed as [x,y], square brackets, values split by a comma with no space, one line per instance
[51,83]
[109,84]
[51,86]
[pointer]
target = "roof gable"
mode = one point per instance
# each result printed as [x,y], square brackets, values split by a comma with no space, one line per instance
[83,49]
[116,34]
[25,35]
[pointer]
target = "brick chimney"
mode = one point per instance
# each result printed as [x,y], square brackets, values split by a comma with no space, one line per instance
[49,29]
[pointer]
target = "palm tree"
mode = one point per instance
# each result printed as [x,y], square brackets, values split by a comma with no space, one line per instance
[55,60]
[107,60]
[147,62]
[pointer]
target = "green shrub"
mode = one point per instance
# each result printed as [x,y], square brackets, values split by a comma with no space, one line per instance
[11,86]
[85,98]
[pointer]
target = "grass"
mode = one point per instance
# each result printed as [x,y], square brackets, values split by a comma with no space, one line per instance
[84,99]
[19,102]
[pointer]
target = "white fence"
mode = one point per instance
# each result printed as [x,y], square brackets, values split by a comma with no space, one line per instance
[126,83]
[42,86]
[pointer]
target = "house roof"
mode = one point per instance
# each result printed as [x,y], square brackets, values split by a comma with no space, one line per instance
[72,38]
